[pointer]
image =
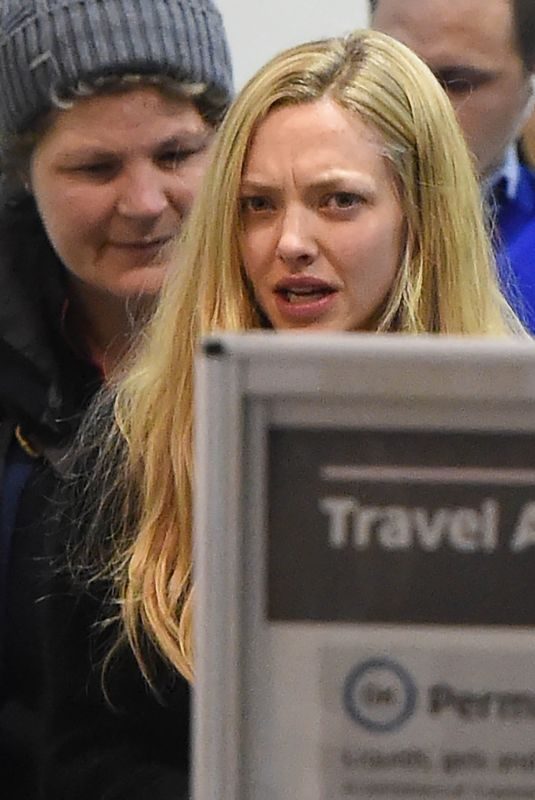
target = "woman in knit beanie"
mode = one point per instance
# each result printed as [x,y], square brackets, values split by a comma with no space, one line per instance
[107,109]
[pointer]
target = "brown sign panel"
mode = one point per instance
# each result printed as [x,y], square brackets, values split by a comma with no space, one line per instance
[401,527]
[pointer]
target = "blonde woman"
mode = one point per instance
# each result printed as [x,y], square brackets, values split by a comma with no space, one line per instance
[340,196]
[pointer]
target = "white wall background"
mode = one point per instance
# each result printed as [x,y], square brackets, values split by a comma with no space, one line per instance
[257,29]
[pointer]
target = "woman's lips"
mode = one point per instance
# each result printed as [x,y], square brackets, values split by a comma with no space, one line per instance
[142,253]
[143,244]
[304,299]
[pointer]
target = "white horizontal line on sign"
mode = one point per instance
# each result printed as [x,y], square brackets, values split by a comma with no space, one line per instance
[407,474]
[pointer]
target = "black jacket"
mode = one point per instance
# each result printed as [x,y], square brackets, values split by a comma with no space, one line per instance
[60,738]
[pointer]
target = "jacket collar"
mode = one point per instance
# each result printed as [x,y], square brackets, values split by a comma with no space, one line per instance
[507,174]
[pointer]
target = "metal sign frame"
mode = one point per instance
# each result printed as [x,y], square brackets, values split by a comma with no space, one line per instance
[248,385]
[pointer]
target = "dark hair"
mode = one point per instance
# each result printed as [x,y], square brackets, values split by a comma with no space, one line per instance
[524,24]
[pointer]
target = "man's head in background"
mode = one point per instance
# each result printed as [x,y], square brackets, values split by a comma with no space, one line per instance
[483,53]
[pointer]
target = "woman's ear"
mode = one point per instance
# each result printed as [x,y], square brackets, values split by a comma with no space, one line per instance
[530,105]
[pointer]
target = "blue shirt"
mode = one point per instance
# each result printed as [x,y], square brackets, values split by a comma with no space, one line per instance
[515,235]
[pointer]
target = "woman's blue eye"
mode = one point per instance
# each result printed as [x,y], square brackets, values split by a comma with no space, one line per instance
[344,199]
[256,203]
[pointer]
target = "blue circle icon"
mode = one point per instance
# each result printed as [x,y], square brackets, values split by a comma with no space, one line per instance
[379,695]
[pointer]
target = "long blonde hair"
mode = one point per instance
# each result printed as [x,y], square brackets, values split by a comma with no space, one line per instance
[446,283]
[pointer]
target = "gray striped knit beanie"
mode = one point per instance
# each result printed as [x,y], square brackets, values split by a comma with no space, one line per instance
[48,46]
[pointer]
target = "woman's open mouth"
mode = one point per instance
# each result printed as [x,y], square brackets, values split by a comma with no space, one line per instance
[303,298]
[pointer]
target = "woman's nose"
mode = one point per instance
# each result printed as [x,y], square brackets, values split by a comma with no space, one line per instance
[297,243]
[142,194]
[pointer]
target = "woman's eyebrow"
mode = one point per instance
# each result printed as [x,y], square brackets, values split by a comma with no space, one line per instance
[258,184]
[189,138]
[184,139]
[333,181]
[86,153]
[330,180]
